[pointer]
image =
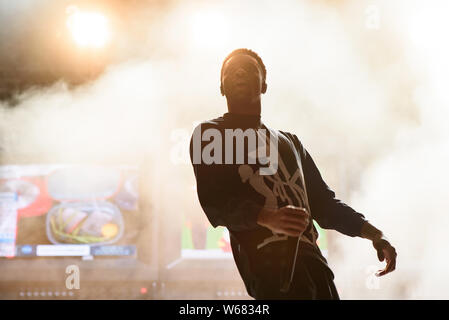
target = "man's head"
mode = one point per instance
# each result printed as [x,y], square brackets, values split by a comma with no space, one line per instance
[243,76]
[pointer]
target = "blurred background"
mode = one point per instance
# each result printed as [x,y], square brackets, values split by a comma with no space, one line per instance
[98,100]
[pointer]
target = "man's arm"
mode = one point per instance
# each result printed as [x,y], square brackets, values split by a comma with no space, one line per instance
[326,209]
[331,213]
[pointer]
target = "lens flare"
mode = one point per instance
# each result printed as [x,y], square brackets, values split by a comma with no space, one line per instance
[89,29]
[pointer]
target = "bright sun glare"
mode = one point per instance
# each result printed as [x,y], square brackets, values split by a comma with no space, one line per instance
[89,29]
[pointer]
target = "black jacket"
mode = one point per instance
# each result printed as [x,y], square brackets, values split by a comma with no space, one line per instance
[232,195]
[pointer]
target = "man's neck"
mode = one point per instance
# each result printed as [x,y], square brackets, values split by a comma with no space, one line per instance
[245,108]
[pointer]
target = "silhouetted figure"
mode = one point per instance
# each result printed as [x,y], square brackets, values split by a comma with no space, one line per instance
[270,216]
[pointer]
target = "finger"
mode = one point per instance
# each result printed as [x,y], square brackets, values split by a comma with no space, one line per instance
[292,232]
[302,223]
[380,273]
[293,208]
[394,254]
[390,253]
[301,209]
[391,265]
[380,255]
[388,266]
[296,219]
[295,226]
[383,272]
[296,213]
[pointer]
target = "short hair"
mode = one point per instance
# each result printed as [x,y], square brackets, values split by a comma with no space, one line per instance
[249,53]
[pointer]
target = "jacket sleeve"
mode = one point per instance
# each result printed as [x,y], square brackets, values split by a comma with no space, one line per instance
[329,212]
[222,206]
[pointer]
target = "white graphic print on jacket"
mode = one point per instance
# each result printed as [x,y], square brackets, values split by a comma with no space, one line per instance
[281,188]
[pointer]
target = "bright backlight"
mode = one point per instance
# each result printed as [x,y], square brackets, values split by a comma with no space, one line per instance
[209,29]
[89,29]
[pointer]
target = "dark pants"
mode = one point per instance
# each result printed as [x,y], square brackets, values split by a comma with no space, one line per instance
[312,281]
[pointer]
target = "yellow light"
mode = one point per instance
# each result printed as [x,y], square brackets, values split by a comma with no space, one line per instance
[89,29]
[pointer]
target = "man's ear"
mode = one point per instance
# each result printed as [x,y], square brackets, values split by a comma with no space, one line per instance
[221,89]
[264,87]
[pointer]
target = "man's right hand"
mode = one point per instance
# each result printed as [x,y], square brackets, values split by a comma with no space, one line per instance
[289,220]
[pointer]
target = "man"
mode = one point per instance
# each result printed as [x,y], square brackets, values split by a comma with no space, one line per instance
[268,200]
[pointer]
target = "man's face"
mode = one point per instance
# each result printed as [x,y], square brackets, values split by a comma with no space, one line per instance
[242,79]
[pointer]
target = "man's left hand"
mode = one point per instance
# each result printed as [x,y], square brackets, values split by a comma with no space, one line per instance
[385,251]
